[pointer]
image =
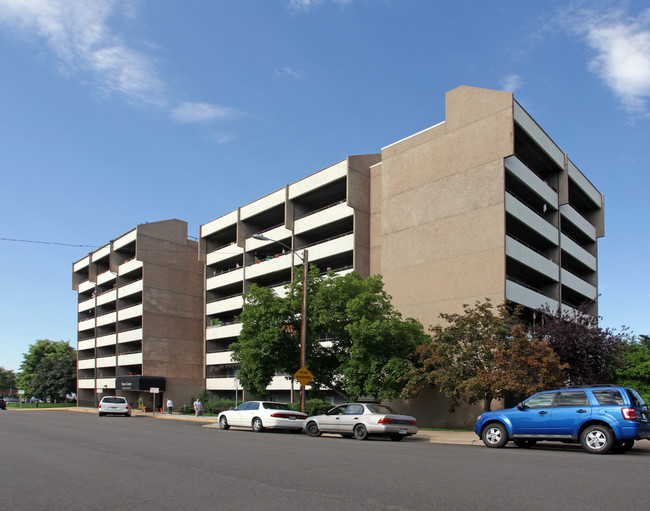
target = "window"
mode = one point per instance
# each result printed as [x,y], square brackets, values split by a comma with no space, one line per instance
[541,400]
[573,398]
[354,410]
[610,397]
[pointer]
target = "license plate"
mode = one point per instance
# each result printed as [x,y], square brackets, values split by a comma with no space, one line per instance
[292,417]
[402,432]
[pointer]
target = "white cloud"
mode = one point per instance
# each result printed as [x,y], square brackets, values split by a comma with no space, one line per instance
[79,34]
[511,82]
[305,5]
[621,46]
[202,112]
[287,71]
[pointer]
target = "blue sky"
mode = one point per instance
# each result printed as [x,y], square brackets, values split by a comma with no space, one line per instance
[115,113]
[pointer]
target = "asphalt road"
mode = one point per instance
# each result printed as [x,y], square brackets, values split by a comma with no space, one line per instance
[58,460]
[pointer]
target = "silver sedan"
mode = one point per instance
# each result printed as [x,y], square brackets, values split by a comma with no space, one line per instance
[361,420]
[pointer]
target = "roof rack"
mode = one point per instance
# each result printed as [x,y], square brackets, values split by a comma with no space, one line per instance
[593,386]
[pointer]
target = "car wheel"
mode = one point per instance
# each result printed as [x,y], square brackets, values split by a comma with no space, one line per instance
[525,443]
[597,439]
[495,435]
[360,432]
[101,414]
[397,438]
[223,422]
[312,429]
[258,427]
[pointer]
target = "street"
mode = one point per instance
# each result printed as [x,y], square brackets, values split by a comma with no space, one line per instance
[56,459]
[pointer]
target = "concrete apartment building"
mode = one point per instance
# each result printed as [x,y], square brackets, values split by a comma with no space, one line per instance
[483,204]
[140,319]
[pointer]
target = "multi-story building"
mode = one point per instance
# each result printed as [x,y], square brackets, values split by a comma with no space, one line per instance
[140,320]
[483,204]
[327,213]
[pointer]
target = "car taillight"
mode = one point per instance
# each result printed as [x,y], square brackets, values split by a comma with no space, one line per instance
[385,420]
[286,415]
[628,414]
[127,406]
[414,423]
[99,405]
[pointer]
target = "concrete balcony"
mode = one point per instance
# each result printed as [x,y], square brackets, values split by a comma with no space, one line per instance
[129,359]
[107,276]
[129,237]
[88,363]
[134,311]
[277,233]
[130,289]
[106,383]
[571,247]
[281,383]
[129,266]
[223,331]
[86,324]
[526,215]
[528,297]
[107,319]
[108,297]
[584,184]
[331,247]
[225,279]
[280,291]
[223,253]
[130,335]
[524,174]
[578,285]
[218,358]
[222,384]
[107,361]
[88,383]
[532,259]
[578,220]
[86,345]
[264,267]
[100,253]
[86,305]
[225,305]
[106,340]
[86,286]
[323,217]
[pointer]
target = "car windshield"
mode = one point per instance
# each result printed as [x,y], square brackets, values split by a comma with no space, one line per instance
[276,406]
[379,409]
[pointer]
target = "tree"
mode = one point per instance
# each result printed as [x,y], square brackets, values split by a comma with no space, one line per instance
[48,369]
[481,356]
[592,353]
[7,379]
[357,343]
[635,370]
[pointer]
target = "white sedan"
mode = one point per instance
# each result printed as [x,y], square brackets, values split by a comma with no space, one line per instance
[260,415]
[360,420]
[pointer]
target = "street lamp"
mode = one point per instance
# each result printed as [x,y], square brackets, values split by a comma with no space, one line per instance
[303,325]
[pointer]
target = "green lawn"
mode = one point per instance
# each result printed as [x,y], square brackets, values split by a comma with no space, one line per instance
[41,405]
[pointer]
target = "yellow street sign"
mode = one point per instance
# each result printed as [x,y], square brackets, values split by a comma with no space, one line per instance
[303,375]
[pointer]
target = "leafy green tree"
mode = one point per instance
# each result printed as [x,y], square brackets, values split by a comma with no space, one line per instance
[481,355]
[635,370]
[357,343]
[592,353]
[48,369]
[7,379]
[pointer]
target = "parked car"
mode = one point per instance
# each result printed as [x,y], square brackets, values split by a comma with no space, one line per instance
[261,415]
[601,418]
[12,400]
[361,420]
[116,405]
[3,404]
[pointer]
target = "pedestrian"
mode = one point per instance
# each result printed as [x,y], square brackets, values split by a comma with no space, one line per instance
[170,405]
[198,408]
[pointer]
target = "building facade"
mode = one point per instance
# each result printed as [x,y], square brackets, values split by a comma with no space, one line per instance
[140,317]
[481,205]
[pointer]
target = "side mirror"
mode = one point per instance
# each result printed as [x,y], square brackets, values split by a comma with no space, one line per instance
[521,406]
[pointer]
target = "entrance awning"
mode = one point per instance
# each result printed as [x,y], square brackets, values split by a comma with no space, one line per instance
[140,383]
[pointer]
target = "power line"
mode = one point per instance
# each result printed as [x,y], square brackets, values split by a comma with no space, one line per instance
[49,243]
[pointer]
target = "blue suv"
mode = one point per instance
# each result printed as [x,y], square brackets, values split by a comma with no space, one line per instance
[602,418]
